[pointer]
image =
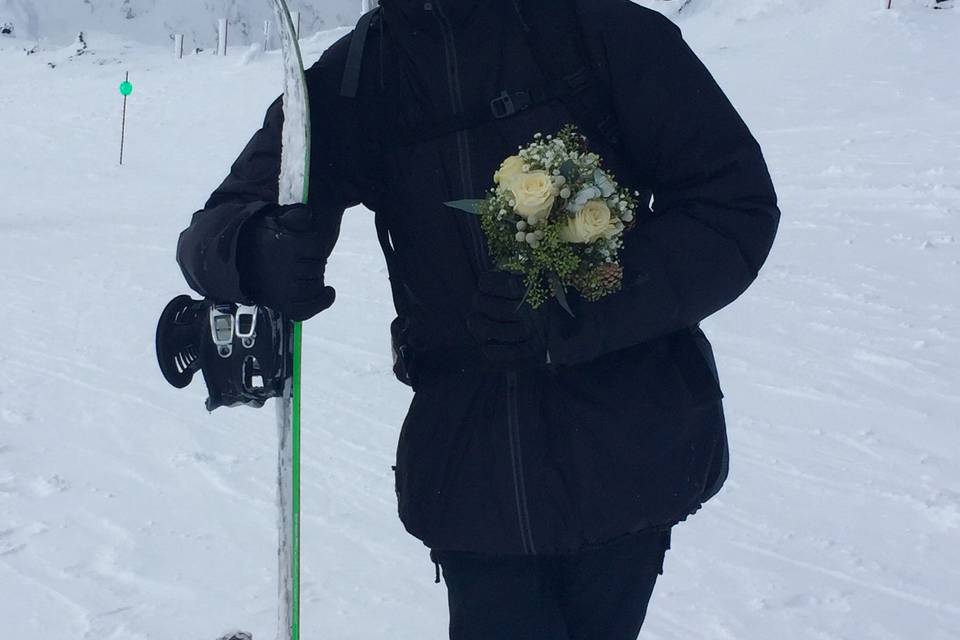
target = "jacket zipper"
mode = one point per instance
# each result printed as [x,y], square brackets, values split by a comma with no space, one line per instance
[463,137]
[484,262]
[516,458]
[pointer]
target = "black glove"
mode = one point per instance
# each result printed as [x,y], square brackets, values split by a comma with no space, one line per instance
[508,331]
[282,257]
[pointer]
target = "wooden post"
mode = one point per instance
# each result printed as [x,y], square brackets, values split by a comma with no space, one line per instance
[222,37]
[178,46]
[266,34]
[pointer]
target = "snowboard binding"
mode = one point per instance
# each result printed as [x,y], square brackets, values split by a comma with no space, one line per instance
[241,350]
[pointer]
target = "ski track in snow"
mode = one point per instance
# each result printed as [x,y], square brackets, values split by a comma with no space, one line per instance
[128,512]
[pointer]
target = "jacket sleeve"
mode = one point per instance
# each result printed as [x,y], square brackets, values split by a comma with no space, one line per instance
[715,210]
[207,251]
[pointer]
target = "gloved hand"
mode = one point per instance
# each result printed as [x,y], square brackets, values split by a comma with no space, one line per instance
[282,256]
[506,330]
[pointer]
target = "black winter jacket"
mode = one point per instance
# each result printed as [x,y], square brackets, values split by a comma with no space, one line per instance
[546,458]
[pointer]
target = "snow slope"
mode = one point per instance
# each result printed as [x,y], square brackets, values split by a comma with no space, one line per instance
[127,512]
[154,21]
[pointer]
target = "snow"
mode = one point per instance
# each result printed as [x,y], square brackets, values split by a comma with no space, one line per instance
[155,21]
[128,512]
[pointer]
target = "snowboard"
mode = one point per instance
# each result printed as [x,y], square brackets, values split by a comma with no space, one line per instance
[293,189]
[249,354]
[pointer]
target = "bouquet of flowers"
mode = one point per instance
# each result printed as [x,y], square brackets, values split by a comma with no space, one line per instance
[557,218]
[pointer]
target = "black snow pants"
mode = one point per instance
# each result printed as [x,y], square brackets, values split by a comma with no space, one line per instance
[598,594]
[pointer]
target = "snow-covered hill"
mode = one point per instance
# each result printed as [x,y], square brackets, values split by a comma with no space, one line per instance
[128,513]
[153,21]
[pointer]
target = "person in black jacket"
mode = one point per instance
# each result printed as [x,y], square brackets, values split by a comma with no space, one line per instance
[544,458]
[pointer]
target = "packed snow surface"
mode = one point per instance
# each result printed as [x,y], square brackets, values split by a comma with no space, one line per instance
[127,512]
[155,21]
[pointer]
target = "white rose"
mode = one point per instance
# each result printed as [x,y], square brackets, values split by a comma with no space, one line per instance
[509,169]
[592,223]
[534,194]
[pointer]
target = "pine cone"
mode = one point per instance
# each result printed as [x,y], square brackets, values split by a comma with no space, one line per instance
[599,281]
[610,277]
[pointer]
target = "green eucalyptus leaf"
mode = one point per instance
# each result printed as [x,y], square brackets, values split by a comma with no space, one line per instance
[470,206]
[569,170]
[560,294]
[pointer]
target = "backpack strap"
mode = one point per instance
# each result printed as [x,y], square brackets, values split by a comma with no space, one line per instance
[558,45]
[393,268]
[505,105]
[555,37]
[354,63]
[349,88]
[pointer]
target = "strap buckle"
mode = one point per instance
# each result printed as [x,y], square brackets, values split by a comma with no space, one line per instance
[506,104]
[578,80]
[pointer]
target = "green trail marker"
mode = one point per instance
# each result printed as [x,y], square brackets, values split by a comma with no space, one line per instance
[126,88]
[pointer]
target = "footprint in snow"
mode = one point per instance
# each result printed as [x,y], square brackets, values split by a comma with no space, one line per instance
[204,458]
[14,417]
[943,510]
[50,485]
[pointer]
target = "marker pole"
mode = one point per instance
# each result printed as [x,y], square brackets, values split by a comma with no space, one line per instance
[123,124]
[222,37]
[125,89]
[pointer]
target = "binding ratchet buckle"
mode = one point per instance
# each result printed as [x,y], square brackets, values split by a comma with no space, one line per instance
[242,350]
